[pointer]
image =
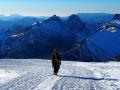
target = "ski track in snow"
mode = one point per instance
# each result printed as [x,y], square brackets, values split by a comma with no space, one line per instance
[48,83]
[40,77]
[75,81]
[67,80]
[26,82]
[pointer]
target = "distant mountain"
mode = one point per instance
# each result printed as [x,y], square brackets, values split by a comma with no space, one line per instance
[116,17]
[74,22]
[41,37]
[10,17]
[95,17]
[88,37]
[24,21]
[108,38]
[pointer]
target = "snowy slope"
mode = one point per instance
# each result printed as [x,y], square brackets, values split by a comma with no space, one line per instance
[37,75]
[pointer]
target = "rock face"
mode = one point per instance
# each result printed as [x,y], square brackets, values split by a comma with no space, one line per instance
[37,40]
[116,17]
[74,22]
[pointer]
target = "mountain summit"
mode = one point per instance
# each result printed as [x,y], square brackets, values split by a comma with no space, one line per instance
[75,23]
[74,19]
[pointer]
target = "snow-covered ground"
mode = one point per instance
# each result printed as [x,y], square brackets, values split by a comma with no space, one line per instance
[34,74]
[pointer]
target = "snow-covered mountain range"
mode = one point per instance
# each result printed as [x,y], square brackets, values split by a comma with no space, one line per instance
[97,36]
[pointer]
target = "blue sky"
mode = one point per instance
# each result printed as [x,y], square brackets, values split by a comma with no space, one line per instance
[58,7]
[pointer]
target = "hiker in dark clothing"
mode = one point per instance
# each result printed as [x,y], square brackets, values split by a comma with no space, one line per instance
[56,61]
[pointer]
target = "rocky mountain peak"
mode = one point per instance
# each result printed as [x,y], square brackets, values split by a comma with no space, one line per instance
[74,19]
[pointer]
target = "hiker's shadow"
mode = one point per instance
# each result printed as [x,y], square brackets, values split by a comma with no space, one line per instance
[89,78]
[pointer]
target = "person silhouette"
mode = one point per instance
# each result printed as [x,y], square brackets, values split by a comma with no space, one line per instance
[56,61]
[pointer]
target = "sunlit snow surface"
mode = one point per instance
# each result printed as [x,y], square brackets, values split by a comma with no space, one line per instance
[31,74]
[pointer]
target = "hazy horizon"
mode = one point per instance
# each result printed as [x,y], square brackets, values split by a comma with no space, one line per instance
[51,15]
[57,7]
